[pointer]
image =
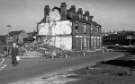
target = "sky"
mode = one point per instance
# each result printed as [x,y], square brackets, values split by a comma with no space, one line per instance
[113,15]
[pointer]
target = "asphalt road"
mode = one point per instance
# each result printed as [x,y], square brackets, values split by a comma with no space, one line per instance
[32,67]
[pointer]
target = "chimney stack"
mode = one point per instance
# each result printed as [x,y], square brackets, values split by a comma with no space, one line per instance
[46,12]
[63,8]
[80,13]
[90,18]
[87,16]
[73,8]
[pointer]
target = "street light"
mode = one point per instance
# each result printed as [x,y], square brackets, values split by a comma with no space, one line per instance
[8,26]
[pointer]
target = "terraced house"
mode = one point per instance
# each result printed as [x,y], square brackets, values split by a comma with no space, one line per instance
[69,29]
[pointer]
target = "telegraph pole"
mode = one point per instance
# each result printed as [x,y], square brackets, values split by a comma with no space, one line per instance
[8,26]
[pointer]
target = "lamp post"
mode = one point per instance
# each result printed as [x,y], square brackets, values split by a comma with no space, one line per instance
[8,26]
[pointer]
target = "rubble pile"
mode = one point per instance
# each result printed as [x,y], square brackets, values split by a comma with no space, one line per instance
[41,49]
[51,51]
[29,50]
[32,53]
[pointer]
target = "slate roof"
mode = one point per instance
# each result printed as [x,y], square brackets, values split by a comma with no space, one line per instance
[12,33]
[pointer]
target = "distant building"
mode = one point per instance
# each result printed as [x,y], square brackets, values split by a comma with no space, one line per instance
[3,39]
[17,36]
[32,34]
[69,29]
[121,38]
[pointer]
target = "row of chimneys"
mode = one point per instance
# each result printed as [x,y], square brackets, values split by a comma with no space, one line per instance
[70,13]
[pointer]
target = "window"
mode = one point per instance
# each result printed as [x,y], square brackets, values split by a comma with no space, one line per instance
[85,42]
[84,28]
[76,28]
[86,18]
[80,16]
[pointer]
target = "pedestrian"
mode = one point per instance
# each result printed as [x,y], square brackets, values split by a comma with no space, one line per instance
[14,53]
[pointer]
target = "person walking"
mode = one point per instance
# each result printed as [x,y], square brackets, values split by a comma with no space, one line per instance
[14,53]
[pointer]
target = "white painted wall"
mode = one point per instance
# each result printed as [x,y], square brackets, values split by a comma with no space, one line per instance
[54,15]
[55,28]
[43,29]
[62,28]
[63,42]
[57,31]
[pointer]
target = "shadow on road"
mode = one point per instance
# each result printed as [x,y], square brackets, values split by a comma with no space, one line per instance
[127,61]
[123,63]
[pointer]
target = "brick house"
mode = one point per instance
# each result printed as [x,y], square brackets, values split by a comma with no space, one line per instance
[85,33]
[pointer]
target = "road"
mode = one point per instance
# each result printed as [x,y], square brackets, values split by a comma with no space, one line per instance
[32,67]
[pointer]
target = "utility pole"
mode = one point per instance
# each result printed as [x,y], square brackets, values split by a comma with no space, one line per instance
[8,26]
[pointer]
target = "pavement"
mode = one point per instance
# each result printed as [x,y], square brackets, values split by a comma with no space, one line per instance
[29,68]
[2,64]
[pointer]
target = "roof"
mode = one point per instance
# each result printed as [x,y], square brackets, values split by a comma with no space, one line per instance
[12,33]
[127,32]
[96,24]
[57,8]
[32,33]
[2,37]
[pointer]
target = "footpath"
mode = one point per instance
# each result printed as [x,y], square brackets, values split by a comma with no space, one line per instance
[35,68]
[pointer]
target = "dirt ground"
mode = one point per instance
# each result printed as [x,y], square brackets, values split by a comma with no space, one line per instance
[110,72]
[118,71]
